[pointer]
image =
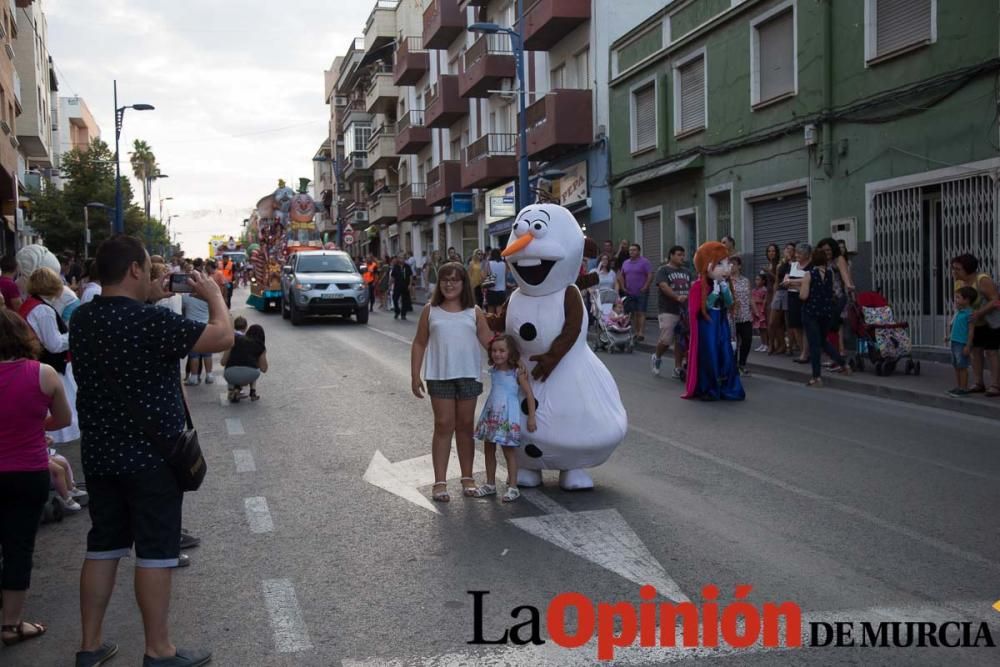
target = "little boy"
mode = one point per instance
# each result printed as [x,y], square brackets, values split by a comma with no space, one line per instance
[961,339]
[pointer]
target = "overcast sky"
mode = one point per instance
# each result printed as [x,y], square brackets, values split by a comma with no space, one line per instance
[237,86]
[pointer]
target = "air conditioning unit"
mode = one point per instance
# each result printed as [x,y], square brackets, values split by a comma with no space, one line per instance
[361,216]
[846,230]
[340,101]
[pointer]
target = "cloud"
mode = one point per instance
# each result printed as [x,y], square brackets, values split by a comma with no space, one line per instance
[237,85]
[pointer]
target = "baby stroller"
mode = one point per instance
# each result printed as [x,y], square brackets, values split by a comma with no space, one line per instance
[609,337]
[883,340]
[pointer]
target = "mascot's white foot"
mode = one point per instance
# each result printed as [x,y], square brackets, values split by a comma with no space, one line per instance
[528,477]
[575,480]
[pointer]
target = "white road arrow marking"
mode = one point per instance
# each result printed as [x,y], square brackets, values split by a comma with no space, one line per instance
[405,478]
[552,655]
[602,537]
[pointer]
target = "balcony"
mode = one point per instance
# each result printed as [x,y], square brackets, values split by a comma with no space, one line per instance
[381,26]
[490,160]
[382,148]
[412,62]
[559,122]
[382,93]
[443,22]
[548,21]
[353,112]
[356,167]
[411,133]
[17,92]
[487,63]
[413,202]
[443,180]
[444,105]
[383,208]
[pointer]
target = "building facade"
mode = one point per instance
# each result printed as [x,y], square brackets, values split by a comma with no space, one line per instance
[73,128]
[774,121]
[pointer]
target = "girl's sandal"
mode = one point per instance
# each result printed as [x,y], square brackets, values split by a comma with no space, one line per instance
[815,382]
[512,494]
[977,389]
[441,496]
[485,490]
[469,491]
[19,634]
[993,391]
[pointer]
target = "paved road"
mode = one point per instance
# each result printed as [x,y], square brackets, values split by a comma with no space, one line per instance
[853,507]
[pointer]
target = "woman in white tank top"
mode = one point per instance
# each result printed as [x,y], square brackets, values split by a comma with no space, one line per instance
[448,349]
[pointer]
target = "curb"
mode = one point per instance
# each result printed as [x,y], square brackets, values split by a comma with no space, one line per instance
[970,407]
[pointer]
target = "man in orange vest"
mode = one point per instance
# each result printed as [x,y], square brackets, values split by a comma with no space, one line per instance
[370,278]
[226,269]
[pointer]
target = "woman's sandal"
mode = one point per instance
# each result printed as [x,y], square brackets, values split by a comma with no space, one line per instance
[815,382]
[18,631]
[469,491]
[977,389]
[485,490]
[512,494]
[441,496]
[993,391]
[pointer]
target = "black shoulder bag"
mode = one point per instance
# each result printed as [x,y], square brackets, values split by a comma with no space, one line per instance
[183,455]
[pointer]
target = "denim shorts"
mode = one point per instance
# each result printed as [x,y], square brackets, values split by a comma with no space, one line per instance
[141,509]
[636,303]
[958,359]
[199,355]
[459,389]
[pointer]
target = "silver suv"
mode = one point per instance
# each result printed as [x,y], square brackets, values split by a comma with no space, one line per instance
[322,282]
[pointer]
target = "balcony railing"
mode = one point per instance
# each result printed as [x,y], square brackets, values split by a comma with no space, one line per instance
[443,22]
[412,191]
[493,144]
[498,44]
[412,62]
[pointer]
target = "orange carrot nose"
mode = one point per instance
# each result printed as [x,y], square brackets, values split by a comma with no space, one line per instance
[518,245]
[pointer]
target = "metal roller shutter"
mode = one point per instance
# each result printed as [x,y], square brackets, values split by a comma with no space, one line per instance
[901,23]
[645,116]
[652,250]
[692,95]
[778,221]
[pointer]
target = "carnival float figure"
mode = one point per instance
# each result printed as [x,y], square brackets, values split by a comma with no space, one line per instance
[580,416]
[712,373]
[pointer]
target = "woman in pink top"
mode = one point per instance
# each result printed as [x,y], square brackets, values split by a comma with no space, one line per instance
[32,401]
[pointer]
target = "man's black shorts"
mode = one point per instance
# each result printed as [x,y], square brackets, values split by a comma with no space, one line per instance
[143,509]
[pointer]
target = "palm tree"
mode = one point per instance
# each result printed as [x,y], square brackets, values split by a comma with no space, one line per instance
[144,168]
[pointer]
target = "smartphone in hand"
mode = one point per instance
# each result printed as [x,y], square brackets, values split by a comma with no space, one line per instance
[179,283]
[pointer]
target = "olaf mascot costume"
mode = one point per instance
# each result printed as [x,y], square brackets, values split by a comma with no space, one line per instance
[581,419]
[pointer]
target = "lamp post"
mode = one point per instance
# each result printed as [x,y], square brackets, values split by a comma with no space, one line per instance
[149,192]
[517,46]
[119,222]
[163,199]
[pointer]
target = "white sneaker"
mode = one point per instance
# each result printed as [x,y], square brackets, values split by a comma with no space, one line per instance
[654,365]
[69,504]
[192,381]
[209,379]
[77,493]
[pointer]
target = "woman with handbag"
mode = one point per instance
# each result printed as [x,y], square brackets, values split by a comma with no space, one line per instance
[44,287]
[32,400]
[986,317]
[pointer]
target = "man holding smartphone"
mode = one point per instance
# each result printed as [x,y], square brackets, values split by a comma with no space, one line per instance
[134,498]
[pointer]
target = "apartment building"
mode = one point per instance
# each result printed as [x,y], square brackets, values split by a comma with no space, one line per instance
[10,109]
[73,128]
[782,120]
[38,83]
[324,186]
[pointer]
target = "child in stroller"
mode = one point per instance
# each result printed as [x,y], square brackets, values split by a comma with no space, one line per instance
[882,340]
[614,325]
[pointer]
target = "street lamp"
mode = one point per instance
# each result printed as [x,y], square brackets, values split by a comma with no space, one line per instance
[517,46]
[163,199]
[119,226]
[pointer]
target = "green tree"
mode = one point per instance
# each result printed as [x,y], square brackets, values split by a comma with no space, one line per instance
[90,178]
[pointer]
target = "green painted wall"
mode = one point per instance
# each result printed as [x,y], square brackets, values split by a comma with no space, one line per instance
[693,15]
[646,45]
[960,129]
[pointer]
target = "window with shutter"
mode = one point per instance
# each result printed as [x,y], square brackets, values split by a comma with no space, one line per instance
[558,77]
[690,86]
[774,56]
[644,117]
[899,25]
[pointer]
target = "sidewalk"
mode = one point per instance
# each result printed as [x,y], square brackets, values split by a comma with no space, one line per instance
[926,389]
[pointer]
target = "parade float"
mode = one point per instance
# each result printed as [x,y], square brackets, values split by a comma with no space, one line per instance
[282,224]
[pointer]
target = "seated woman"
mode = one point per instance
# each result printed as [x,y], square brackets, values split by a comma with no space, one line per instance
[244,363]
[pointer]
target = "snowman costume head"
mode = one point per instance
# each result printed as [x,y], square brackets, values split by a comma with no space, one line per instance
[545,249]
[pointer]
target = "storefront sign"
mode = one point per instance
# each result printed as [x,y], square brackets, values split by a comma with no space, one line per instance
[500,203]
[461,202]
[573,186]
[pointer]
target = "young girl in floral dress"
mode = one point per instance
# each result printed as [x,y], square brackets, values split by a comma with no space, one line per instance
[500,421]
[759,305]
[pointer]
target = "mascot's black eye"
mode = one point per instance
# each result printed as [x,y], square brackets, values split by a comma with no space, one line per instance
[539,228]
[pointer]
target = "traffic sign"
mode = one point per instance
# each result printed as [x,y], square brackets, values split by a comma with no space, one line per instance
[348,229]
[348,239]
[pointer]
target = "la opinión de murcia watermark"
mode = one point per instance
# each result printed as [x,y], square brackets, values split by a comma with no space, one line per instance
[735,624]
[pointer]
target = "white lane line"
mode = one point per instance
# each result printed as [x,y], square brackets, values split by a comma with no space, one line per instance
[244,460]
[844,508]
[394,336]
[901,454]
[224,399]
[234,426]
[543,502]
[258,516]
[290,634]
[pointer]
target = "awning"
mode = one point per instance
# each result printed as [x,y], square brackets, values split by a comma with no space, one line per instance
[692,162]
[500,227]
